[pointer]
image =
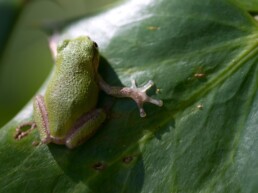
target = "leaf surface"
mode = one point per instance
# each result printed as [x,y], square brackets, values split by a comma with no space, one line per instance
[202,56]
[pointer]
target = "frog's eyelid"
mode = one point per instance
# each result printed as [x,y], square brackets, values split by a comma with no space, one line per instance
[95,44]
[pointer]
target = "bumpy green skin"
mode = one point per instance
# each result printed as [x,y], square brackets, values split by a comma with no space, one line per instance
[72,92]
[73,89]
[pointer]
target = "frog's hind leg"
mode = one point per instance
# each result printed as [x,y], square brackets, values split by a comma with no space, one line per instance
[41,119]
[85,127]
[19,134]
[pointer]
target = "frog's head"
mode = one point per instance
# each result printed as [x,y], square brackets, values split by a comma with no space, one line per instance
[81,51]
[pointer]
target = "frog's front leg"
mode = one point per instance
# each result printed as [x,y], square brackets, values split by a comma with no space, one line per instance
[19,134]
[85,127]
[137,94]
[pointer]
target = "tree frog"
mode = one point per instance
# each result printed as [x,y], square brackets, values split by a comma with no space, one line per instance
[67,112]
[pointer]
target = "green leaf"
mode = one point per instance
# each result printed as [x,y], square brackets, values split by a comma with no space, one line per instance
[249,5]
[203,57]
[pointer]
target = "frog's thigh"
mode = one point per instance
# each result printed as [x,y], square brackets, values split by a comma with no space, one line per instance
[85,127]
[41,118]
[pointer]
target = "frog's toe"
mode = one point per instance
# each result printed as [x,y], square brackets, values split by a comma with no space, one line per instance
[141,109]
[140,97]
[19,134]
[155,101]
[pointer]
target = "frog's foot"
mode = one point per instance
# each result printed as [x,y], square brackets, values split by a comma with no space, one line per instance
[140,97]
[137,94]
[19,134]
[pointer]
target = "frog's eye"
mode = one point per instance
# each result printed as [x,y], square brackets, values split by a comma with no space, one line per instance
[95,44]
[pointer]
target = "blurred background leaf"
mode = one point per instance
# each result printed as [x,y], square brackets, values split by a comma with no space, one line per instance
[25,59]
[250,5]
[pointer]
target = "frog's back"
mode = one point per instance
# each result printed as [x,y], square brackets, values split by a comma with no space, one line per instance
[72,91]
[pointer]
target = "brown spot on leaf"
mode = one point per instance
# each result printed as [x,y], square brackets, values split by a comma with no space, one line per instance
[127,159]
[199,75]
[99,166]
[153,28]
[200,106]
